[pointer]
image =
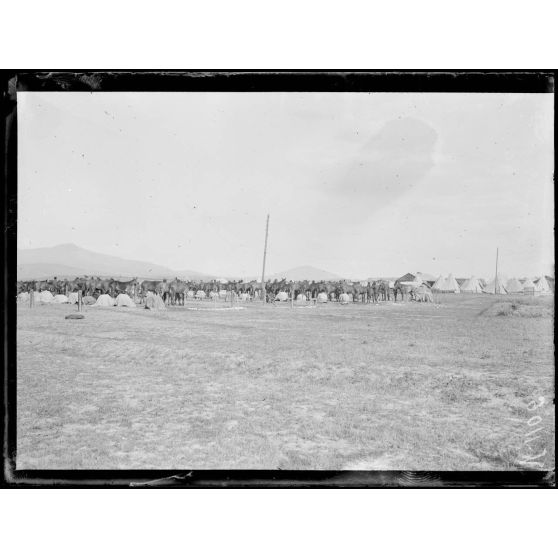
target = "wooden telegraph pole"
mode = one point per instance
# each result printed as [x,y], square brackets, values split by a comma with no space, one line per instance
[496,286]
[264,256]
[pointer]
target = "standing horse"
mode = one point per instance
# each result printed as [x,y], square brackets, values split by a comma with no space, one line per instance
[153,286]
[178,290]
[128,287]
[406,291]
[373,292]
[383,289]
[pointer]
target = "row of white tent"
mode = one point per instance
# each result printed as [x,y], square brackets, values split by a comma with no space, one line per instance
[46,297]
[121,300]
[496,286]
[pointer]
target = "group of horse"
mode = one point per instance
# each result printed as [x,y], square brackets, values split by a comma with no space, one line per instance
[364,292]
[176,291]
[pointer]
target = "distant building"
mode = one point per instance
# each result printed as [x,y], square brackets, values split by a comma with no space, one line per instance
[418,277]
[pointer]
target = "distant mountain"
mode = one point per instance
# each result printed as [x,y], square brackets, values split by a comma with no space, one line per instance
[306,272]
[71,260]
[42,271]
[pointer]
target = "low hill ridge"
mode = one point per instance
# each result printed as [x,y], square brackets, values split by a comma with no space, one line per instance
[71,260]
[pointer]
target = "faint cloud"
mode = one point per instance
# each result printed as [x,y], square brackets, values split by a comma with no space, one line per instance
[388,164]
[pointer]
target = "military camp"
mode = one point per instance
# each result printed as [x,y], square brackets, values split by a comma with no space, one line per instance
[338,281]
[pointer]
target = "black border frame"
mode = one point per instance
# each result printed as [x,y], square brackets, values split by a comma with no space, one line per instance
[201,80]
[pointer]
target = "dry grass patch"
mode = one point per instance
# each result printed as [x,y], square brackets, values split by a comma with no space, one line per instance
[389,386]
[526,307]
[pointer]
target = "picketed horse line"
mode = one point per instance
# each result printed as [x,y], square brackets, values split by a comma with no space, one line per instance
[177,291]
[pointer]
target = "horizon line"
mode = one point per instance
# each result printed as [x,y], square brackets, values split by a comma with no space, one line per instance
[256,275]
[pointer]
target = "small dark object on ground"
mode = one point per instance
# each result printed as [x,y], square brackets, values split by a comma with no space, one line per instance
[76,316]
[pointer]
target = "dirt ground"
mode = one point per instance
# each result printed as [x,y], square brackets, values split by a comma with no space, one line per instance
[446,386]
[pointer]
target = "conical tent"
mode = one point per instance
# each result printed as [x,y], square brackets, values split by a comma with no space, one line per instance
[124,300]
[542,286]
[438,284]
[514,286]
[451,285]
[23,297]
[496,286]
[105,300]
[447,285]
[528,287]
[471,285]
[45,297]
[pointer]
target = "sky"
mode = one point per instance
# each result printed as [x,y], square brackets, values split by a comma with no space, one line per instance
[358,184]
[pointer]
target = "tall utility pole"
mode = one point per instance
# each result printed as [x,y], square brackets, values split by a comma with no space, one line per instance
[496,286]
[265,254]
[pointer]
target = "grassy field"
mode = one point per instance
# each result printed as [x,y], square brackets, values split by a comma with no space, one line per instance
[447,386]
